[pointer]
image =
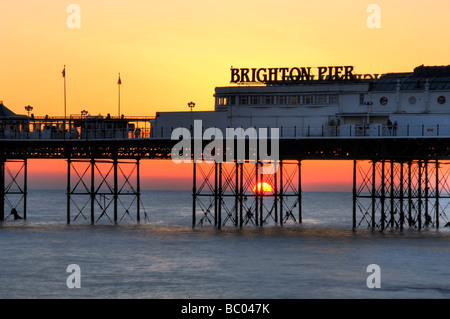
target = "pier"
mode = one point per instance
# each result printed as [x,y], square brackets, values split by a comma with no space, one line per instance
[395,128]
[403,186]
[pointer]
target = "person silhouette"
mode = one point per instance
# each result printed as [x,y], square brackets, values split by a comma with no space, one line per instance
[15,214]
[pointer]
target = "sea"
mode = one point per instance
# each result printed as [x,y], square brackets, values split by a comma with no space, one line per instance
[163,257]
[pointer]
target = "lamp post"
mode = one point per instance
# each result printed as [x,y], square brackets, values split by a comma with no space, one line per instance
[191,106]
[83,113]
[28,108]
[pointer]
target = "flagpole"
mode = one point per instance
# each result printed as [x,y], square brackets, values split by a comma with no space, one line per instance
[118,83]
[64,76]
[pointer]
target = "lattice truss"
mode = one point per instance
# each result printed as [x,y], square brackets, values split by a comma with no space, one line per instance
[104,190]
[14,188]
[393,194]
[243,194]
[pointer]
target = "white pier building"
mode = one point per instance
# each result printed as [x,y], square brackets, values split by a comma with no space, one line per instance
[326,101]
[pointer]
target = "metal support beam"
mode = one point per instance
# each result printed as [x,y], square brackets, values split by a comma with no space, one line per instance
[115,188]
[215,193]
[383,197]
[138,191]
[437,193]
[281,192]
[354,196]
[419,190]
[105,184]
[92,192]
[68,190]
[241,195]
[410,220]
[2,190]
[402,181]
[194,192]
[300,191]
[373,193]
[25,187]
[236,193]
[261,194]
[219,221]
[256,195]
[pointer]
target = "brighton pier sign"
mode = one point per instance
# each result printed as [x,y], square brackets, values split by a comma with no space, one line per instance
[296,74]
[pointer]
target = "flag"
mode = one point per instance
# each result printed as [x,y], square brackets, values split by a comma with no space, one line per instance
[119,81]
[64,72]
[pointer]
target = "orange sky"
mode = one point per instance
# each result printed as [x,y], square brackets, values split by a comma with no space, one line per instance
[171,52]
[164,174]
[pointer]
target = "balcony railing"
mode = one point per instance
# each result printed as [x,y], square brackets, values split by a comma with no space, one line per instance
[28,131]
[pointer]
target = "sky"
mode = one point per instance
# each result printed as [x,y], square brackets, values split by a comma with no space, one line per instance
[171,52]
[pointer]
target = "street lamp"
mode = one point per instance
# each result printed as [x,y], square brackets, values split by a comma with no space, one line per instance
[84,112]
[28,108]
[191,105]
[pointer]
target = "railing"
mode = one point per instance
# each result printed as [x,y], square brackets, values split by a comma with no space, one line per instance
[341,131]
[75,134]
[350,131]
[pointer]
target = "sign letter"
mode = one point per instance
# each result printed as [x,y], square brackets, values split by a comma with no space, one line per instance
[235,75]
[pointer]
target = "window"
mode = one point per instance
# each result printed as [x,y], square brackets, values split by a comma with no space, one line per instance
[288,99]
[321,99]
[232,100]
[441,99]
[308,99]
[334,99]
[243,99]
[361,99]
[255,99]
[294,99]
[268,99]
[222,101]
[281,99]
[383,100]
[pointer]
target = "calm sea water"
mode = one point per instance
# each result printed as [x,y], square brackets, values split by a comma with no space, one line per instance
[163,257]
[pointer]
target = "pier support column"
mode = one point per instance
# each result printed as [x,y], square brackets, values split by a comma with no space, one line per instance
[281,193]
[235,193]
[69,189]
[92,190]
[2,190]
[13,187]
[256,194]
[219,198]
[402,195]
[25,187]
[373,194]
[419,191]
[138,190]
[241,194]
[437,193]
[383,197]
[194,192]
[354,196]
[115,188]
[413,191]
[106,186]
[300,218]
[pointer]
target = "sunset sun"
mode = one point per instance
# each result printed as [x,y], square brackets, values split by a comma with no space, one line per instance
[264,187]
